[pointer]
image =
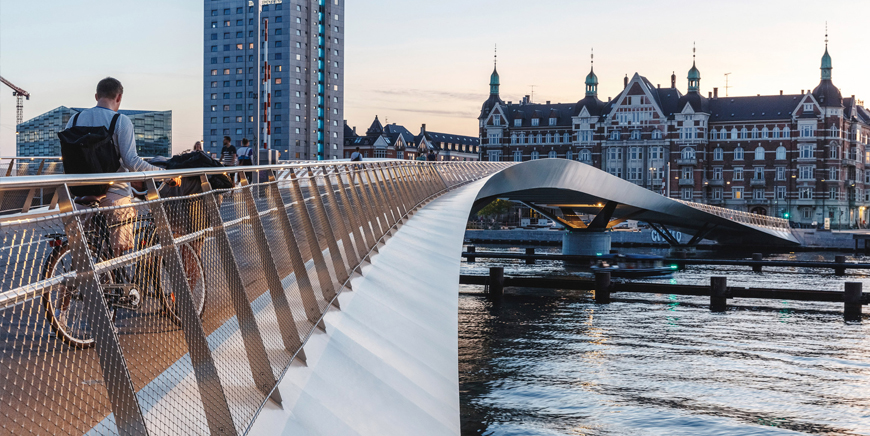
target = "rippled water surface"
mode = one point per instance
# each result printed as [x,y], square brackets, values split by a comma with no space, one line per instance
[553,363]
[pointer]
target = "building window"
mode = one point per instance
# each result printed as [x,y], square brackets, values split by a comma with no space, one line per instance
[518,156]
[738,173]
[496,121]
[614,135]
[734,133]
[738,153]
[494,155]
[805,193]
[834,173]
[718,154]
[806,172]
[535,122]
[585,135]
[776,132]
[808,107]
[759,153]
[780,192]
[585,155]
[755,133]
[780,173]
[518,122]
[552,154]
[833,194]
[635,135]
[494,138]
[656,134]
[737,193]
[765,134]
[780,153]
[759,173]
[758,194]
[717,173]
[717,193]
[552,121]
[535,155]
[835,151]
[807,131]
[688,153]
[806,151]
[569,155]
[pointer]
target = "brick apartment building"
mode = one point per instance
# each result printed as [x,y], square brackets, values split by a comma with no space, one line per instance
[799,156]
[396,142]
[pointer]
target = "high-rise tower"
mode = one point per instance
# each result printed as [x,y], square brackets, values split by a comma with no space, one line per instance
[306,58]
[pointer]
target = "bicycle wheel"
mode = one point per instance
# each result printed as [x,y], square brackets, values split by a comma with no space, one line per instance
[195,282]
[65,306]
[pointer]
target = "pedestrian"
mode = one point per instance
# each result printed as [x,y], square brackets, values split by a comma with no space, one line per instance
[246,158]
[229,157]
[356,156]
[197,146]
[431,157]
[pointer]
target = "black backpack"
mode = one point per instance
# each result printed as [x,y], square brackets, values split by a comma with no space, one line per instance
[89,150]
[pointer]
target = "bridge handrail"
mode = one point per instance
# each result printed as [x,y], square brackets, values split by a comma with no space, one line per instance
[741,216]
[274,256]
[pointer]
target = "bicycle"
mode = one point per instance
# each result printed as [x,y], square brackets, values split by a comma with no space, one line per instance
[122,289]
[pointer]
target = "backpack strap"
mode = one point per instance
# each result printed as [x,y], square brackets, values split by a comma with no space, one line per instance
[112,126]
[76,119]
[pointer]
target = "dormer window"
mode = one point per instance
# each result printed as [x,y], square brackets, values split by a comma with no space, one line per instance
[535,122]
[496,121]
[614,135]
[808,107]
[552,121]
[635,135]
[518,122]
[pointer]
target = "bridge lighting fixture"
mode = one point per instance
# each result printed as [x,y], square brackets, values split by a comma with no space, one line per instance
[673,267]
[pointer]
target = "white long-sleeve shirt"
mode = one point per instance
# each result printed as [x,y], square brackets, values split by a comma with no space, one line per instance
[125,141]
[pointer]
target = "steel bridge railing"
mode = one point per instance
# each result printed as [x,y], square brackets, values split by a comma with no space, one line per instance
[741,216]
[191,329]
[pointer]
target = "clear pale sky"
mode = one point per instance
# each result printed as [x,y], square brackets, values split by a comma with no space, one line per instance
[415,62]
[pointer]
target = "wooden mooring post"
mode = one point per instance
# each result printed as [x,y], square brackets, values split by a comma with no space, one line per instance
[852,302]
[839,270]
[718,294]
[757,257]
[496,281]
[602,287]
[529,260]
[470,249]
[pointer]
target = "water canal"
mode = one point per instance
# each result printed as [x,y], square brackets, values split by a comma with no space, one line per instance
[544,362]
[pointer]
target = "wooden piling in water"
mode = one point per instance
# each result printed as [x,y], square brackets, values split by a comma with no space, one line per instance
[530,252]
[757,257]
[470,249]
[602,287]
[852,302]
[718,294]
[496,281]
[839,270]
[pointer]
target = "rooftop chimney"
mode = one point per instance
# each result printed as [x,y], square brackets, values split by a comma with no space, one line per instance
[423,129]
[548,101]
[715,92]
[673,80]
[780,92]
[658,85]
[625,81]
[710,94]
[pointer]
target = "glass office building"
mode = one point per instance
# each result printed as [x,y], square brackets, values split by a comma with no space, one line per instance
[38,136]
[306,56]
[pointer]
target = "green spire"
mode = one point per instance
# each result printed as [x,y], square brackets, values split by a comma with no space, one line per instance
[694,75]
[826,62]
[592,80]
[493,79]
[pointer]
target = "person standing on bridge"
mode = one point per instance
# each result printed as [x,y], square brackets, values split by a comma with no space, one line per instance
[105,113]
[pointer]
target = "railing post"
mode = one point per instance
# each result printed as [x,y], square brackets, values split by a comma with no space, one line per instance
[303,282]
[496,281]
[838,270]
[340,229]
[317,200]
[404,198]
[602,287]
[412,187]
[116,376]
[379,199]
[718,294]
[361,204]
[261,369]
[352,215]
[283,313]
[323,277]
[211,392]
[852,302]
[391,193]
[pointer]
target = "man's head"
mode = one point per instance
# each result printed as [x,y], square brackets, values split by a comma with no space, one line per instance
[357,149]
[109,93]
[245,142]
[227,141]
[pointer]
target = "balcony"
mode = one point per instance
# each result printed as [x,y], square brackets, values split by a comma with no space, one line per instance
[757,183]
[716,182]
[687,162]
[687,182]
[850,162]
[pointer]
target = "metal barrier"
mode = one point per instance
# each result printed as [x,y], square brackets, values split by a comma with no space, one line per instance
[189,330]
[741,217]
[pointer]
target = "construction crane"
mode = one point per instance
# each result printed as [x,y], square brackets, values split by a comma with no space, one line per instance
[19,107]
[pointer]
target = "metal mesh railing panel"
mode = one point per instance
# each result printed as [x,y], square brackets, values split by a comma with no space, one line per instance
[179,315]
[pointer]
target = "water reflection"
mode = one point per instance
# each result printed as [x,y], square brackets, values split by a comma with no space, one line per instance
[662,364]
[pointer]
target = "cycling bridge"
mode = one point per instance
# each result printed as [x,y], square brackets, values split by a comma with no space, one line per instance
[321,300]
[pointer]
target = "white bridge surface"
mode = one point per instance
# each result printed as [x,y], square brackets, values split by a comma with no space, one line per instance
[388,362]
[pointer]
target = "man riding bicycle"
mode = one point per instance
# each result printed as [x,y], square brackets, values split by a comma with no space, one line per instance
[105,113]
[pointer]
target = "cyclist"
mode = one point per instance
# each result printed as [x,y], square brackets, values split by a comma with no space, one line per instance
[108,96]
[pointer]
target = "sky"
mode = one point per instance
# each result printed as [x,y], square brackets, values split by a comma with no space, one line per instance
[413,62]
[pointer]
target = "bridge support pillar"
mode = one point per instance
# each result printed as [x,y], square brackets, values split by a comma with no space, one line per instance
[496,281]
[682,251]
[852,306]
[718,294]
[586,243]
[602,287]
